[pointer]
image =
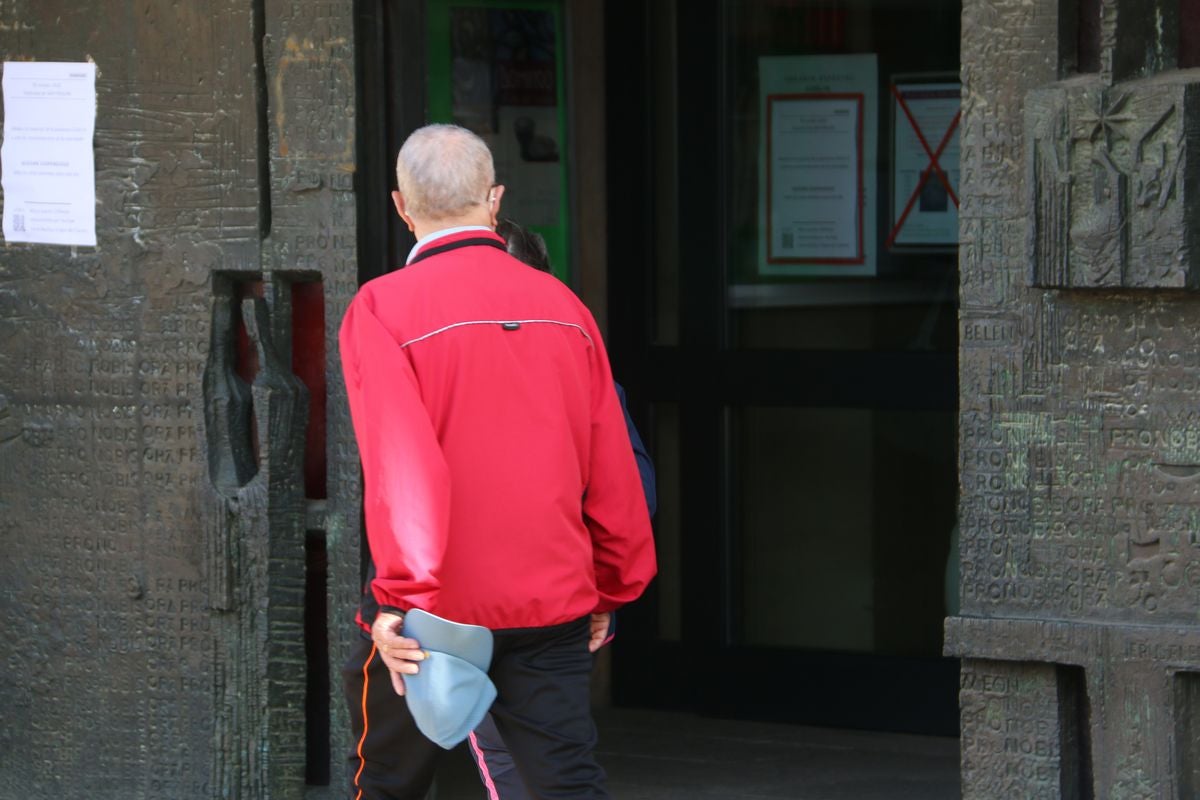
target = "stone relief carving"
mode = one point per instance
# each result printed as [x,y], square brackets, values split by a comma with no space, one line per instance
[1108,185]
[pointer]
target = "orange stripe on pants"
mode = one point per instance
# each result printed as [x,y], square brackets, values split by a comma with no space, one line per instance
[362,762]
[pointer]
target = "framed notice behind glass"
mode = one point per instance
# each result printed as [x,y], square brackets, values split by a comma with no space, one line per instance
[817,183]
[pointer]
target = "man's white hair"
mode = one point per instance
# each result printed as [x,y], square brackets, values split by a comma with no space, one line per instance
[443,170]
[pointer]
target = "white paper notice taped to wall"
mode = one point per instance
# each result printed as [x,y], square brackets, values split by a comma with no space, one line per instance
[46,163]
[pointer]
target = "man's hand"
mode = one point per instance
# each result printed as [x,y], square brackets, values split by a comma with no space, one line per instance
[600,624]
[398,653]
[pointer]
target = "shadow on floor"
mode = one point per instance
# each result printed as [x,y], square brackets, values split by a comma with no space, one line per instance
[654,755]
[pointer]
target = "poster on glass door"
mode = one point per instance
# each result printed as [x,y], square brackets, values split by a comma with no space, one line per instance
[925,151]
[817,185]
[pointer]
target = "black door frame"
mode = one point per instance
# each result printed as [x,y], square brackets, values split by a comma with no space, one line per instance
[390,73]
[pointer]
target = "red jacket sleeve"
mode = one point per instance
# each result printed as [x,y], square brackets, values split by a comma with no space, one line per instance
[406,480]
[614,505]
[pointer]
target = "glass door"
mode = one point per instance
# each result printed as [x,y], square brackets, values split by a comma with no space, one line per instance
[790,187]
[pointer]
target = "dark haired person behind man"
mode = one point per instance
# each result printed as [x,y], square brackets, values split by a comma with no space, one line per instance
[524,244]
[499,485]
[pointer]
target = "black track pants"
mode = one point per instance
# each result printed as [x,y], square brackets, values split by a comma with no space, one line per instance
[542,711]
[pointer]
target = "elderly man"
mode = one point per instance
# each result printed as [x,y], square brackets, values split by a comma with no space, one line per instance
[500,486]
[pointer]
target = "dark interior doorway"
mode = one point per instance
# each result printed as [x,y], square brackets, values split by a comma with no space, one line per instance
[802,417]
[804,414]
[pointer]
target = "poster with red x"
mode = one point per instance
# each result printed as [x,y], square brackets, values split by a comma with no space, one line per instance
[924,164]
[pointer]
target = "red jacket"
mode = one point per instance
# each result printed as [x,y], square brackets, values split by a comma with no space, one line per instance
[500,486]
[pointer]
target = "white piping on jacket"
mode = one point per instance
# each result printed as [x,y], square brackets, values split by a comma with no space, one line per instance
[498,322]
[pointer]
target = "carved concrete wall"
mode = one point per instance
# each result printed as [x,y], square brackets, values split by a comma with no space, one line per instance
[181,536]
[1080,426]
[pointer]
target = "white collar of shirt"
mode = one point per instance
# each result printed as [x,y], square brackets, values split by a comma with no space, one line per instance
[439,234]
